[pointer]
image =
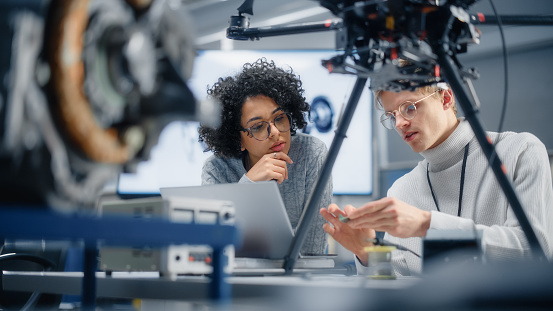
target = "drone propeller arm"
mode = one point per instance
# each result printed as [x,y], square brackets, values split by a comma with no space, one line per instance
[238,32]
[519,20]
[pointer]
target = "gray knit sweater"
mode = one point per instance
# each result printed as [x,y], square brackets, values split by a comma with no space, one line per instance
[484,205]
[308,154]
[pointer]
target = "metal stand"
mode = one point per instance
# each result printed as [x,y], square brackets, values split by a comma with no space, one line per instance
[88,295]
[218,291]
[314,200]
[43,224]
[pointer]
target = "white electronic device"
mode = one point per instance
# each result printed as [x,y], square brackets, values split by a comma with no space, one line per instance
[261,215]
[175,259]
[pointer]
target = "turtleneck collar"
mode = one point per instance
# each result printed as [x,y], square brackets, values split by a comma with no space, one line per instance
[446,153]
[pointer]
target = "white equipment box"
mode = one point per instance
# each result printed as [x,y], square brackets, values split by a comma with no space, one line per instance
[175,259]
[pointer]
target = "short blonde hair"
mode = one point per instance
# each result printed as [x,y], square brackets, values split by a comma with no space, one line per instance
[429,89]
[424,90]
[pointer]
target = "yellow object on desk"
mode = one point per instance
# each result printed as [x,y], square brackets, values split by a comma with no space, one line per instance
[380,262]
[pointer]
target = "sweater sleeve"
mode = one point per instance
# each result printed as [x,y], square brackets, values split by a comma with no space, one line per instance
[316,241]
[245,180]
[219,171]
[531,179]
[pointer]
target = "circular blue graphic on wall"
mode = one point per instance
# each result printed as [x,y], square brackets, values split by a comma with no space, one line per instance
[322,115]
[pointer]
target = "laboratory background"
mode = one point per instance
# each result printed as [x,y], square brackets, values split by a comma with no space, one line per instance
[101,163]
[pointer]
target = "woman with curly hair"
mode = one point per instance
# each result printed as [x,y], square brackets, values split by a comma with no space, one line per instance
[263,106]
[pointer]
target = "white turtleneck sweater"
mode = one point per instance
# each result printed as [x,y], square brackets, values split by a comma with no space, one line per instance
[484,205]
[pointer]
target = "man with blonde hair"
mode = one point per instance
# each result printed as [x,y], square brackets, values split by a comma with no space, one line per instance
[451,187]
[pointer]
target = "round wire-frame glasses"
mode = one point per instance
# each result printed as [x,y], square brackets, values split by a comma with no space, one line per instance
[408,111]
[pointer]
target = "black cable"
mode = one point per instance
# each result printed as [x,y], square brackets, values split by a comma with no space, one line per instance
[504,108]
[47,265]
[380,242]
[43,261]
[505,90]
[505,68]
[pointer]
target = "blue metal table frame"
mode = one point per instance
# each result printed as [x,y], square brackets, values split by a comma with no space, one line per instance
[93,231]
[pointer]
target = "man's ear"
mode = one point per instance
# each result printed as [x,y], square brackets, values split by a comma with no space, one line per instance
[447,99]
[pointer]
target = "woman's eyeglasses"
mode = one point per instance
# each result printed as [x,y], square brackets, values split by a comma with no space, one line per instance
[262,129]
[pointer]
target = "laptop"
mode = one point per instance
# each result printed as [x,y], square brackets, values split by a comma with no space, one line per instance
[260,215]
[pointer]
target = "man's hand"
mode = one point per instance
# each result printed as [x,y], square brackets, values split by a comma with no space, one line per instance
[392,216]
[353,239]
[271,166]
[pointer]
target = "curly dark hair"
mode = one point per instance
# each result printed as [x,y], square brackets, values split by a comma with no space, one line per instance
[260,78]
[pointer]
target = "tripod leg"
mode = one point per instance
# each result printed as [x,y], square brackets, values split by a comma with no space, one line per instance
[315,197]
[454,79]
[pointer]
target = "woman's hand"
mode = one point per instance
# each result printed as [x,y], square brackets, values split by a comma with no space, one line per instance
[272,166]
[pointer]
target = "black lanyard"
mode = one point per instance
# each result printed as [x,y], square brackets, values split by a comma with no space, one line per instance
[462,182]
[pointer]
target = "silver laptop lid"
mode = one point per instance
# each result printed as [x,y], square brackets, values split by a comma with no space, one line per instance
[260,215]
